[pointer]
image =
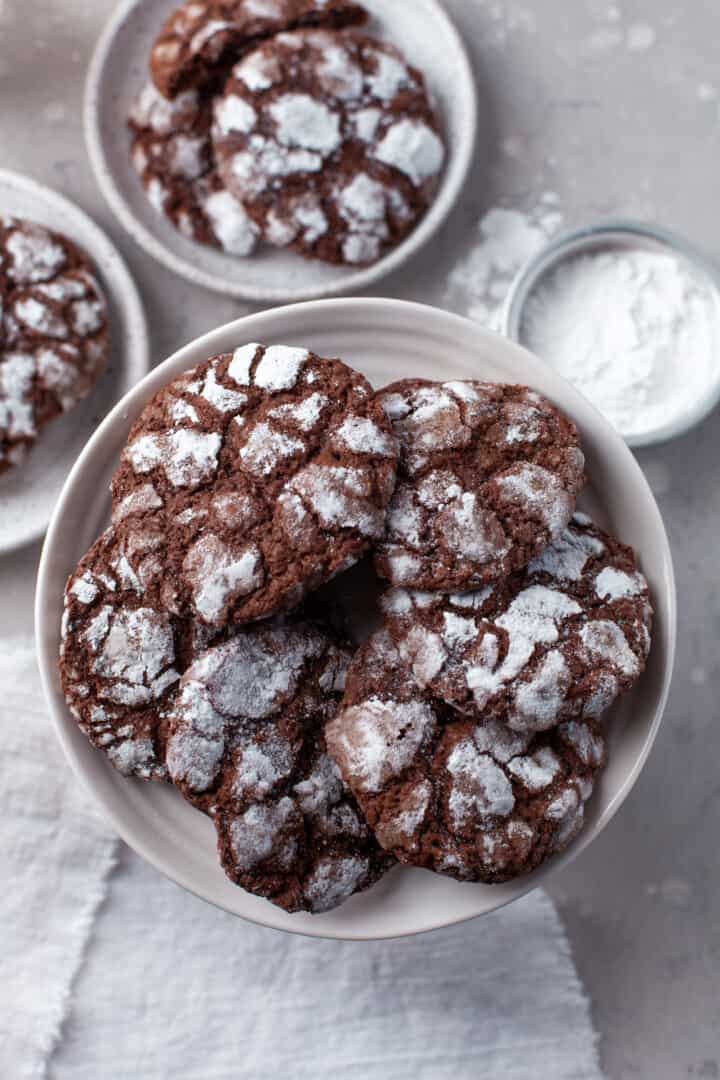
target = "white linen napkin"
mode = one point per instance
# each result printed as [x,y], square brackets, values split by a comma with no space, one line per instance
[154,983]
[55,856]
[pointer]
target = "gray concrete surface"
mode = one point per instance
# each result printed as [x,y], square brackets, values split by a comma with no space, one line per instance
[615,108]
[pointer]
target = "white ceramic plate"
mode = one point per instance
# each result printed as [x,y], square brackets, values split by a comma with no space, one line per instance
[118,70]
[29,492]
[387,340]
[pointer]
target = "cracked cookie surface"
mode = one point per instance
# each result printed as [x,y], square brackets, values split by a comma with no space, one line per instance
[476,801]
[270,470]
[331,143]
[172,155]
[201,37]
[122,653]
[489,475]
[247,747]
[559,640]
[54,339]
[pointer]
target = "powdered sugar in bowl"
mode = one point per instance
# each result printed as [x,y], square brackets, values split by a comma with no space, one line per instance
[630,314]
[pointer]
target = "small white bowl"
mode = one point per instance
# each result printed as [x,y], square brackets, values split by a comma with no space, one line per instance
[119,69]
[29,492]
[604,236]
[387,340]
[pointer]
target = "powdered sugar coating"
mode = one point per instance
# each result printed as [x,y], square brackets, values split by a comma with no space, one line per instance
[53,332]
[330,142]
[543,645]
[489,476]
[473,800]
[171,153]
[270,470]
[246,746]
[201,37]
[122,651]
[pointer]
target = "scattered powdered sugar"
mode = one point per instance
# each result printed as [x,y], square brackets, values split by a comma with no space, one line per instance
[565,804]
[390,76]
[17,415]
[537,771]
[40,318]
[305,414]
[233,228]
[258,71]
[406,824]
[85,589]
[366,122]
[588,745]
[567,556]
[303,122]
[35,255]
[334,880]
[480,789]
[505,239]
[254,835]
[224,400]
[145,498]
[267,449]
[321,789]
[201,37]
[254,675]
[188,458]
[241,363]
[606,641]
[376,741]
[262,766]
[233,113]
[612,584]
[532,618]
[496,738]
[537,702]
[265,160]
[134,653]
[413,148]
[280,367]
[218,575]
[336,72]
[362,436]
[339,497]
[160,114]
[540,492]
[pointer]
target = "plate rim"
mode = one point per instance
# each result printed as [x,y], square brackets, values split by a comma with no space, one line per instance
[127,301]
[458,165]
[125,410]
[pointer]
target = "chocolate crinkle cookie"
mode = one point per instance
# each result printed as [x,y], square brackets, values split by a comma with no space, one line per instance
[246,746]
[172,155]
[122,653]
[269,469]
[202,36]
[54,338]
[489,476]
[476,801]
[560,640]
[330,142]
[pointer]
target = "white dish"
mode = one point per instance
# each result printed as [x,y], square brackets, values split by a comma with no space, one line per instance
[118,70]
[387,340]
[29,492]
[610,235]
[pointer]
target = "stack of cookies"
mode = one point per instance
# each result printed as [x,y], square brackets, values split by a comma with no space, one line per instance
[466,734]
[278,122]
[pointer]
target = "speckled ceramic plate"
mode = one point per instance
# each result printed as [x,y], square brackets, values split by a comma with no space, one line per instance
[387,340]
[29,492]
[119,69]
